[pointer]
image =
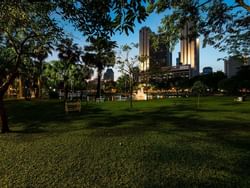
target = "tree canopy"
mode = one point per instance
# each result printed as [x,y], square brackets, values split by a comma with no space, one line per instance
[223,24]
[103,18]
[24,26]
[128,67]
[99,54]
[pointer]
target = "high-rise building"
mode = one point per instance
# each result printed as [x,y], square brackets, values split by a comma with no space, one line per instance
[144,38]
[109,75]
[190,49]
[178,59]
[207,70]
[233,64]
[153,58]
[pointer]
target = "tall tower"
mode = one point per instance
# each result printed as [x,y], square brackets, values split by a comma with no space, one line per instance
[144,48]
[153,58]
[190,50]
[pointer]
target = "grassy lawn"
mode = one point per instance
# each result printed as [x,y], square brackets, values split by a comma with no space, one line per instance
[163,143]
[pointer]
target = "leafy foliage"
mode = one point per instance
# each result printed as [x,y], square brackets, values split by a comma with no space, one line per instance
[210,80]
[24,26]
[99,54]
[122,83]
[223,25]
[199,88]
[239,83]
[103,18]
[76,75]
[69,54]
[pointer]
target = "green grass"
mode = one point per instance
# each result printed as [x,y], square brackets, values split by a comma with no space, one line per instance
[164,143]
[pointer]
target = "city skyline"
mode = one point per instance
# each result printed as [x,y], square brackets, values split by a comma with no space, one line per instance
[208,55]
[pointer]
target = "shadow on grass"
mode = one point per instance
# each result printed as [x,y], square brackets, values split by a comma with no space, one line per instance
[41,115]
[182,121]
[184,166]
[49,117]
[46,116]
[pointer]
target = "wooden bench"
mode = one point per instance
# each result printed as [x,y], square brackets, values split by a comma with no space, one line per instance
[72,106]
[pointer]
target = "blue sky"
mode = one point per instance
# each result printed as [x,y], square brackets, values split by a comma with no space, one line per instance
[208,55]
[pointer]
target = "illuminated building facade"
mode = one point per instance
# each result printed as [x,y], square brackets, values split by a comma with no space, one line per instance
[144,38]
[190,50]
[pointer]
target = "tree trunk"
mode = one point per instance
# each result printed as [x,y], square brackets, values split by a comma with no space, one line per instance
[66,92]
[4,87]
[3,116]
[66,89]
[98,87]
[39,84]
[20,86]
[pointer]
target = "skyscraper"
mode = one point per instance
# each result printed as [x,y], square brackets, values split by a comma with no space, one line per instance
[190,49]
[108,75]
[152,58]
[144,38]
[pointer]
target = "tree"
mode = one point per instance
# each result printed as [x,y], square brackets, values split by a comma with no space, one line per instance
[210,80]
[39,55]
[127,66]
[122,83]
[77,74]
[229,86]
[97,18]
[238,83]
[199,88]
[223,24]
[81,73]
[69,54]
[99,54]
[23,26]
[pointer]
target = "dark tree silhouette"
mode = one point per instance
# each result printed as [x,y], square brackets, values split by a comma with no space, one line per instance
[23,26]
[99,54]
[69,54]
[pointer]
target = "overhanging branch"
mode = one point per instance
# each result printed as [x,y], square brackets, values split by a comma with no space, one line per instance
[243,4]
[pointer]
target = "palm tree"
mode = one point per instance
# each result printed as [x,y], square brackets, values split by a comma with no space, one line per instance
[99,54]
[40,54]
[69,54]
[81,73]
[78,74]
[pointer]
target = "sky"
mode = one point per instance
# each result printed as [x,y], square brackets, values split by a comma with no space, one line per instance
[208,55]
